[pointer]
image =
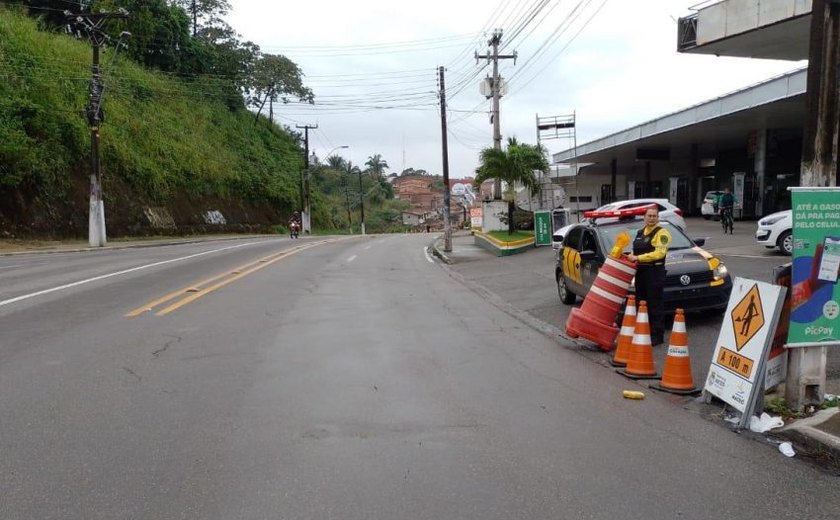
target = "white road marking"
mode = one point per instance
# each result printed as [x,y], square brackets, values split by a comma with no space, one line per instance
[351,258]
[118,273]
[739,256]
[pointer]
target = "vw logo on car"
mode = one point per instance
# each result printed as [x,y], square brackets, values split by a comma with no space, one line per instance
[685,279]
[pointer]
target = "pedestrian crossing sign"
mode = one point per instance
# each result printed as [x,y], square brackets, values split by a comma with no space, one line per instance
[747,317]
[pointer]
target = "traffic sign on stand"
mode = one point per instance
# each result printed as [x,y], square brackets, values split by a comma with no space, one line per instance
[736,374]
[542,228]
[747,317]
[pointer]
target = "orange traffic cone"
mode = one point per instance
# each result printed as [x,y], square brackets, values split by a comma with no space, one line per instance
[595,319]
[676,376]
[640,363]
[625,336]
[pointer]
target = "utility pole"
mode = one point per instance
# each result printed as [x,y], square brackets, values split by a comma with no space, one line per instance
[496,93]
[92,24]
[305,199]
[347,198]
[807,365]
[447,225]
[194,19]
[361,202]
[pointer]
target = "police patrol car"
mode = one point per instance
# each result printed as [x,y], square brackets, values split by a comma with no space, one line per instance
[695,281]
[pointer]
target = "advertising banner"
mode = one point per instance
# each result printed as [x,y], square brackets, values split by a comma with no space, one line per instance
[816,267]
[475,218]
[776,371]
[738,192]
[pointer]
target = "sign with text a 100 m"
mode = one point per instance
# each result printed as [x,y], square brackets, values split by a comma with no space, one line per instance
[745,337]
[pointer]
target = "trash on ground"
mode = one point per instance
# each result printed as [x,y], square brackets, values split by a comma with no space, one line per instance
[633,394]
[765,423]
[787,449]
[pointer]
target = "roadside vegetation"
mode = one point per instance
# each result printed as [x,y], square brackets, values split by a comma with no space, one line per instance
[188,124]
[515,165]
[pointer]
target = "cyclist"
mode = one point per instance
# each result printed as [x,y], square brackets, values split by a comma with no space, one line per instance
[726,203]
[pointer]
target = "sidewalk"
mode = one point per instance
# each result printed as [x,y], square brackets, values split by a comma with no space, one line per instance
[816,437]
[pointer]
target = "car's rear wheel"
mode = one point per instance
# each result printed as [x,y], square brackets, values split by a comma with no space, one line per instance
[566,296]
[785,243]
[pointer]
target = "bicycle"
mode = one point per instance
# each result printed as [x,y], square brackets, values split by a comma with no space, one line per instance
[726,220]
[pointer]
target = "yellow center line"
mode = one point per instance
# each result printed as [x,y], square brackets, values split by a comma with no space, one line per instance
[196,290]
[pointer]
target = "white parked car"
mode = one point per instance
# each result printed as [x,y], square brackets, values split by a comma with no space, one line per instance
[709,208]
[667,212]
[775,230]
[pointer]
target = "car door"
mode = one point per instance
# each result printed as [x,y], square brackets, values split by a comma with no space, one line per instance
[571,261]
[590,258]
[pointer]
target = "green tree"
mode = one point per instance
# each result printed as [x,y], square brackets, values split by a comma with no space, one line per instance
[275,78]
[376,167]
[337,162]
[160,33]
[204,13]
[515,164]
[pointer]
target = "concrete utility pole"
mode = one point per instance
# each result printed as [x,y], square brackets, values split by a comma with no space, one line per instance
[92,24]
[820,135]
[347,198]
[361,203]
[496,94]
[447,225]
[807,365]
[305,199]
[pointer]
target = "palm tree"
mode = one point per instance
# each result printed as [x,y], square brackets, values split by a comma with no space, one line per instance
[336,162]
[515,164]
[376,166]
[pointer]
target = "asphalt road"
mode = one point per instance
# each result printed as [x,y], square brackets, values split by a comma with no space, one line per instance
[351,379]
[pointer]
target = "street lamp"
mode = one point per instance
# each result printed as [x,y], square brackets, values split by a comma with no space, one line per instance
[307,199]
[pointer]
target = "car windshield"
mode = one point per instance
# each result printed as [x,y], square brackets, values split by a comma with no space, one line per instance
[608,234]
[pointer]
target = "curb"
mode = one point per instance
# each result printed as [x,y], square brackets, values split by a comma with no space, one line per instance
[437,250]
[817,443]
[125,245]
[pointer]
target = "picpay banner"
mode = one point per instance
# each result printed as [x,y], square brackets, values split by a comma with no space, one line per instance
[816,267]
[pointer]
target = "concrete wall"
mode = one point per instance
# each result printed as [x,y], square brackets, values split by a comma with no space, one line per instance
[732,17]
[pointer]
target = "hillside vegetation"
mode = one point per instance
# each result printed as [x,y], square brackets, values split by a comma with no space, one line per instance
[168,143]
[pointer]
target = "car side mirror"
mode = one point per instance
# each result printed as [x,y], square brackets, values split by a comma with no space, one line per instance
[699,242]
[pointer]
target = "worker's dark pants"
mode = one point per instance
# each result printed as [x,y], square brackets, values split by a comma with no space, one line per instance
[650,284]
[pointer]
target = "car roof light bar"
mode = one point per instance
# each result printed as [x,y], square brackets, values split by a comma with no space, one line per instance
[622,213]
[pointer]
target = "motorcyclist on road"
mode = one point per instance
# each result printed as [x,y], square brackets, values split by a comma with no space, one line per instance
[294,226]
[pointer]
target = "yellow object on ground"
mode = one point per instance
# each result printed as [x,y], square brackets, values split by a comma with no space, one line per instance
[633,394]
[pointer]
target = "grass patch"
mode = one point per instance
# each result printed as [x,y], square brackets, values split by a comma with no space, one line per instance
[778,406]
[504,236]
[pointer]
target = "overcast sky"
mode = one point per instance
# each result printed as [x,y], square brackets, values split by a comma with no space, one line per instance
[372,65]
